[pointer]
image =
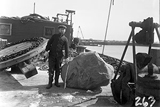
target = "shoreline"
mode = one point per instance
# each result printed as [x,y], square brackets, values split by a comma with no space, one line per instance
[153,45]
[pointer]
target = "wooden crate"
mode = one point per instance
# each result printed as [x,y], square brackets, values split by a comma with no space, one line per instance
[28,70]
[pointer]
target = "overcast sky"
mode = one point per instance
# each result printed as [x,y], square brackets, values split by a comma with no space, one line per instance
[91,15]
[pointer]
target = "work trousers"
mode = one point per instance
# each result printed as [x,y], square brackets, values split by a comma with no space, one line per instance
[55,65]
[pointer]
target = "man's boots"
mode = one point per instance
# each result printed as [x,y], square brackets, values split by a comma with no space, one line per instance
[56,80]
[50,81]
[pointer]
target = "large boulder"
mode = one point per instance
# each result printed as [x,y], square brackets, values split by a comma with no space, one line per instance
[87,71]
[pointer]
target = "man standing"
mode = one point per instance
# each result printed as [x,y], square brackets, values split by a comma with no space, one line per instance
[55,47]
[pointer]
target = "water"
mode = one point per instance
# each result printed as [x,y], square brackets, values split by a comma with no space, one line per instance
[116,51]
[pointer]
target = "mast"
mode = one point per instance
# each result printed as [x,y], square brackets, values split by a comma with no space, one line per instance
[34,9]
[159,18]
[112,1]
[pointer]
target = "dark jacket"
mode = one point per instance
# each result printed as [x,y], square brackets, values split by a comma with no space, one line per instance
[56,44]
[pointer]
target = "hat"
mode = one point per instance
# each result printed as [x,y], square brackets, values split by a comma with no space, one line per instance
[62,26]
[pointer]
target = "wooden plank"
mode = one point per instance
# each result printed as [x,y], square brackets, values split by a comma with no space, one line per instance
[28,70]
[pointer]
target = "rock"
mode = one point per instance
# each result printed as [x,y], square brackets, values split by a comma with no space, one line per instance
[87,71]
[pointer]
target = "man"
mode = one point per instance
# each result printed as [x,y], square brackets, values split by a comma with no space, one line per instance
[74,43]
[55,47]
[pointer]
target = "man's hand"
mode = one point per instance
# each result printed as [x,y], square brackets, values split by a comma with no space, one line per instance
[67,60]
[46,54]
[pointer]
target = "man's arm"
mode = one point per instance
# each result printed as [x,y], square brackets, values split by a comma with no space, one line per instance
[49,43]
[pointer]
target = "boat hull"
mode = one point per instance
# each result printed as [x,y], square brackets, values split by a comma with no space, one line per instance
[15,56]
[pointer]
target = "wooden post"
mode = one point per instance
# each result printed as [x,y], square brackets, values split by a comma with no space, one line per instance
[124,52]
[134,54]
[157,33]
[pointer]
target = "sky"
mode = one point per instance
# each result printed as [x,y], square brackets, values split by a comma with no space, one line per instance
[90,15]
